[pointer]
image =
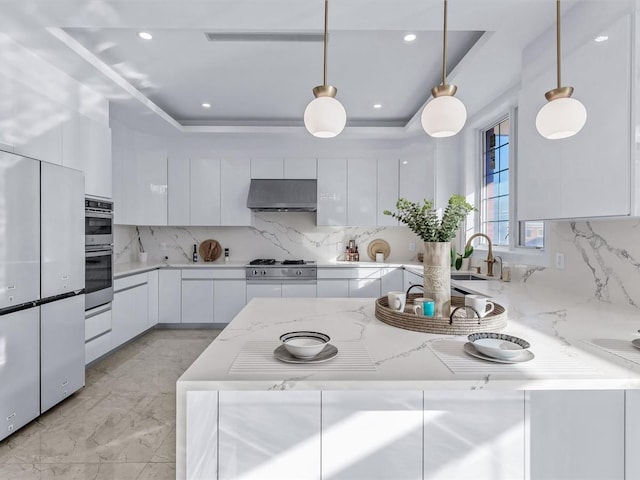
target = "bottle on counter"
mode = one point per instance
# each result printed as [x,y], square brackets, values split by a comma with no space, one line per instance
[195,253]
[356,255]
[226,255]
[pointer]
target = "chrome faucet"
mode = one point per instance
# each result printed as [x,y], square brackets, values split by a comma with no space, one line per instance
[490,258]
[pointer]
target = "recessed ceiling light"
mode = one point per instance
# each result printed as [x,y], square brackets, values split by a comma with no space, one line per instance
[601,38]
[145,35]
[409,37]
[405,162]
[377,105]
[206,105]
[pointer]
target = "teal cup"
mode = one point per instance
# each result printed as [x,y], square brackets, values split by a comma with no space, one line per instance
[424,306]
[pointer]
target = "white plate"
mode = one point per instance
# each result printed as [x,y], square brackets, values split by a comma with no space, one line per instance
[329,352]
[498,345]
[525,356]
[636,342]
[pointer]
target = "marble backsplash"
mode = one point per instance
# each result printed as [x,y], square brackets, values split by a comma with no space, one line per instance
[602,260]
[273,235]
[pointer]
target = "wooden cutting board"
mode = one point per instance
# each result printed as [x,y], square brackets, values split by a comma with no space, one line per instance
[209,250]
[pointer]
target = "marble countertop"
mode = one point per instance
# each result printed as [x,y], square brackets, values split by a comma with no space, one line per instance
[577,344]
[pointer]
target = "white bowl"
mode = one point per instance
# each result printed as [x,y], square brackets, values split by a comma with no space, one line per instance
[304,344]
[498,345]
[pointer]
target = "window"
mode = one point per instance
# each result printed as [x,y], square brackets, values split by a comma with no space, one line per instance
[495,182]
[495,215]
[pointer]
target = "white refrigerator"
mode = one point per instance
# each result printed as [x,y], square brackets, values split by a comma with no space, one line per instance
[41,287]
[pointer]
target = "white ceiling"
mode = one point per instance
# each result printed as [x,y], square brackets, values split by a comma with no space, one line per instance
[265,85]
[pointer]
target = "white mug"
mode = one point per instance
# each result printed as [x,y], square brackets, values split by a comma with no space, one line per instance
[397,300]
[479,303]
[380,257]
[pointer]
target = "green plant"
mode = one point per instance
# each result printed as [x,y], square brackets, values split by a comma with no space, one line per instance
[456,258]
[424,221]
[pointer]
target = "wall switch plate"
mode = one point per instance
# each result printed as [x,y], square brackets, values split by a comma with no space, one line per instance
[412,247]
[339,246]
[560,261]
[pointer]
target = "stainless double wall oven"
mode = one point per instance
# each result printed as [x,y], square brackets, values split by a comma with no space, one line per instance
[98,239]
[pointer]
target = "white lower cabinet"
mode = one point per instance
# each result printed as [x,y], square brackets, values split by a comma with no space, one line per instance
[632,435]
[371,435]
[230,296]
[392,280]
[333,288]
[130,314]
[411,278]
[269,290]
[152,292]
[364,287]
[475,435]
[578,435]
[169,296]
[269,435]
[197,301]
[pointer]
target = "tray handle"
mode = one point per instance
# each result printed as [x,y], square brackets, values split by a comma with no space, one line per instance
[465,307]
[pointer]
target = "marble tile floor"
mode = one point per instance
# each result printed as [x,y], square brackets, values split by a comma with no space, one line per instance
[120,426]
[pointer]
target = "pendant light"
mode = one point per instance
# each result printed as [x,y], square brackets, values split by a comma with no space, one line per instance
[444,115]
[563,116]
[325,117]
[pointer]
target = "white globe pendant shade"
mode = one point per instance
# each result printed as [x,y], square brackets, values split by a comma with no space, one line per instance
[325,117]
[561,118]
[444,116]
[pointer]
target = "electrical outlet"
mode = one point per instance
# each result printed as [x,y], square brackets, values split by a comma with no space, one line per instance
[339,246]
[412,247]
[560,261]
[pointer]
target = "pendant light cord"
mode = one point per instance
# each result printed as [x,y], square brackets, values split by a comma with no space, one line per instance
[444,45]
[326,22]
[558,42]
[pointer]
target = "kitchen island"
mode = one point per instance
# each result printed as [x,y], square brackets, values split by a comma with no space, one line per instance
[400,404]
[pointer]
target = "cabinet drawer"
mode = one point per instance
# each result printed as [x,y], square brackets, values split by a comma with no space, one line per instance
[97,347]
[97,324]
[198,273]
[130,281]
[349,272]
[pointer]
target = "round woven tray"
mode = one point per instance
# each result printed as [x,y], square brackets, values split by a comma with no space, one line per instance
[459,325]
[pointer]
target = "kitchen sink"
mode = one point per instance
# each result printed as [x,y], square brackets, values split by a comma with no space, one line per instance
[465,276]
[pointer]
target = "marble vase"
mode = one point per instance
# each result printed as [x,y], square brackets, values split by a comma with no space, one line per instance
[437,276]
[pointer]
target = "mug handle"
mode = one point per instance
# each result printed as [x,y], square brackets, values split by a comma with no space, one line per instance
[417,308]
[491,306]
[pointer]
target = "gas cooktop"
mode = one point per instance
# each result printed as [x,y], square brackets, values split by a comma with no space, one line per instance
[271,261]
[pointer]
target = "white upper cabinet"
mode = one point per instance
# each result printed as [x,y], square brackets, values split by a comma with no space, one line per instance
[267,167]
[86,146]
[332,191]
[361,192]
[178,199]
[278,167]
[587,175]
[305,168]
[234,188]
[205,191]
[416,180]
[387,190]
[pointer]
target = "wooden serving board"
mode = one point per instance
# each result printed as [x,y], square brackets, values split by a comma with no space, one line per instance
[209,250]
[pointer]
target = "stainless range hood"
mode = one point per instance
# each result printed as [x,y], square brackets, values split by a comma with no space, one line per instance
[278,195]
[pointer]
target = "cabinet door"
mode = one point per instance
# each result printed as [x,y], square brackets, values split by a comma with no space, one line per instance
[333,288]
[577,434]
[332,192]
[268,290]
[476,434]
[416,179]
[20,372]
[147,187]
[364,287]
[235,177]
[42,135]
[130,314]
[61,350]
[411,278]
[152,297]
[361,192]
[178,196]
[300,168]
[387,190]
[372,434]
[300,291]
[267,167]
[252,442]
[197,301]
[205,191]
[169,296]
[229,297]
[62,230]
[632,435]
[569,178]
[392,280]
